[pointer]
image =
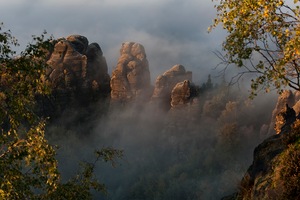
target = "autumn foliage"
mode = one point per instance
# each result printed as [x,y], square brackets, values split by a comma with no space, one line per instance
[263,39]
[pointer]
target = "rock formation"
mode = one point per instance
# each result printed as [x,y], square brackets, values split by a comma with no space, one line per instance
[181,94]
[184,109]
[286,98]
[267,177]
[75,65]
[284,119]
[165,83]
[131,77]
[77,72]
[67,66]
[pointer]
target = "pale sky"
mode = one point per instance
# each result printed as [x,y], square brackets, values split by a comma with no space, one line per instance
[172,31]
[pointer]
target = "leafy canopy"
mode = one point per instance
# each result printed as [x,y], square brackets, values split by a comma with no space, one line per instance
[263,39]
[27,160]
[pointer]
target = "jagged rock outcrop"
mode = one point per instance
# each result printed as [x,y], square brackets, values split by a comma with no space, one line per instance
[165,83]
[284,118]
[77,72]
[75,64]
[67,66]
[268,177]
[181,94]
[97,73]
[131,77]
[286,98]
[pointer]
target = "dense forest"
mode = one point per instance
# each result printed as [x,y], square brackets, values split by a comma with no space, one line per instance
[200,151]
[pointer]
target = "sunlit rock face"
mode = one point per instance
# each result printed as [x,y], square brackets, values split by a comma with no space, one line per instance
[131,77]
[67,67]
[77,72]
[183,103]
[181,94]
[263,179]
[286,98]
[74,64]
[165,83]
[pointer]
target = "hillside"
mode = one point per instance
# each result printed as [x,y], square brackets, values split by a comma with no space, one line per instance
[274,172]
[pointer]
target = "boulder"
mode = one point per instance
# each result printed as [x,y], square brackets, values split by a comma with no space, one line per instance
[79,43]
[131,77]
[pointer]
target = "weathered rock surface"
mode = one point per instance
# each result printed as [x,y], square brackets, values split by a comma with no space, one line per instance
[263,179]
[131,77]
[284,118]
[181,94]
[286,98]
[259,173]
[165,83]
[75,65]
[77,73]
[67,67]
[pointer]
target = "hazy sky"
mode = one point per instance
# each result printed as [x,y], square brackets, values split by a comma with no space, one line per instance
[172,31]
